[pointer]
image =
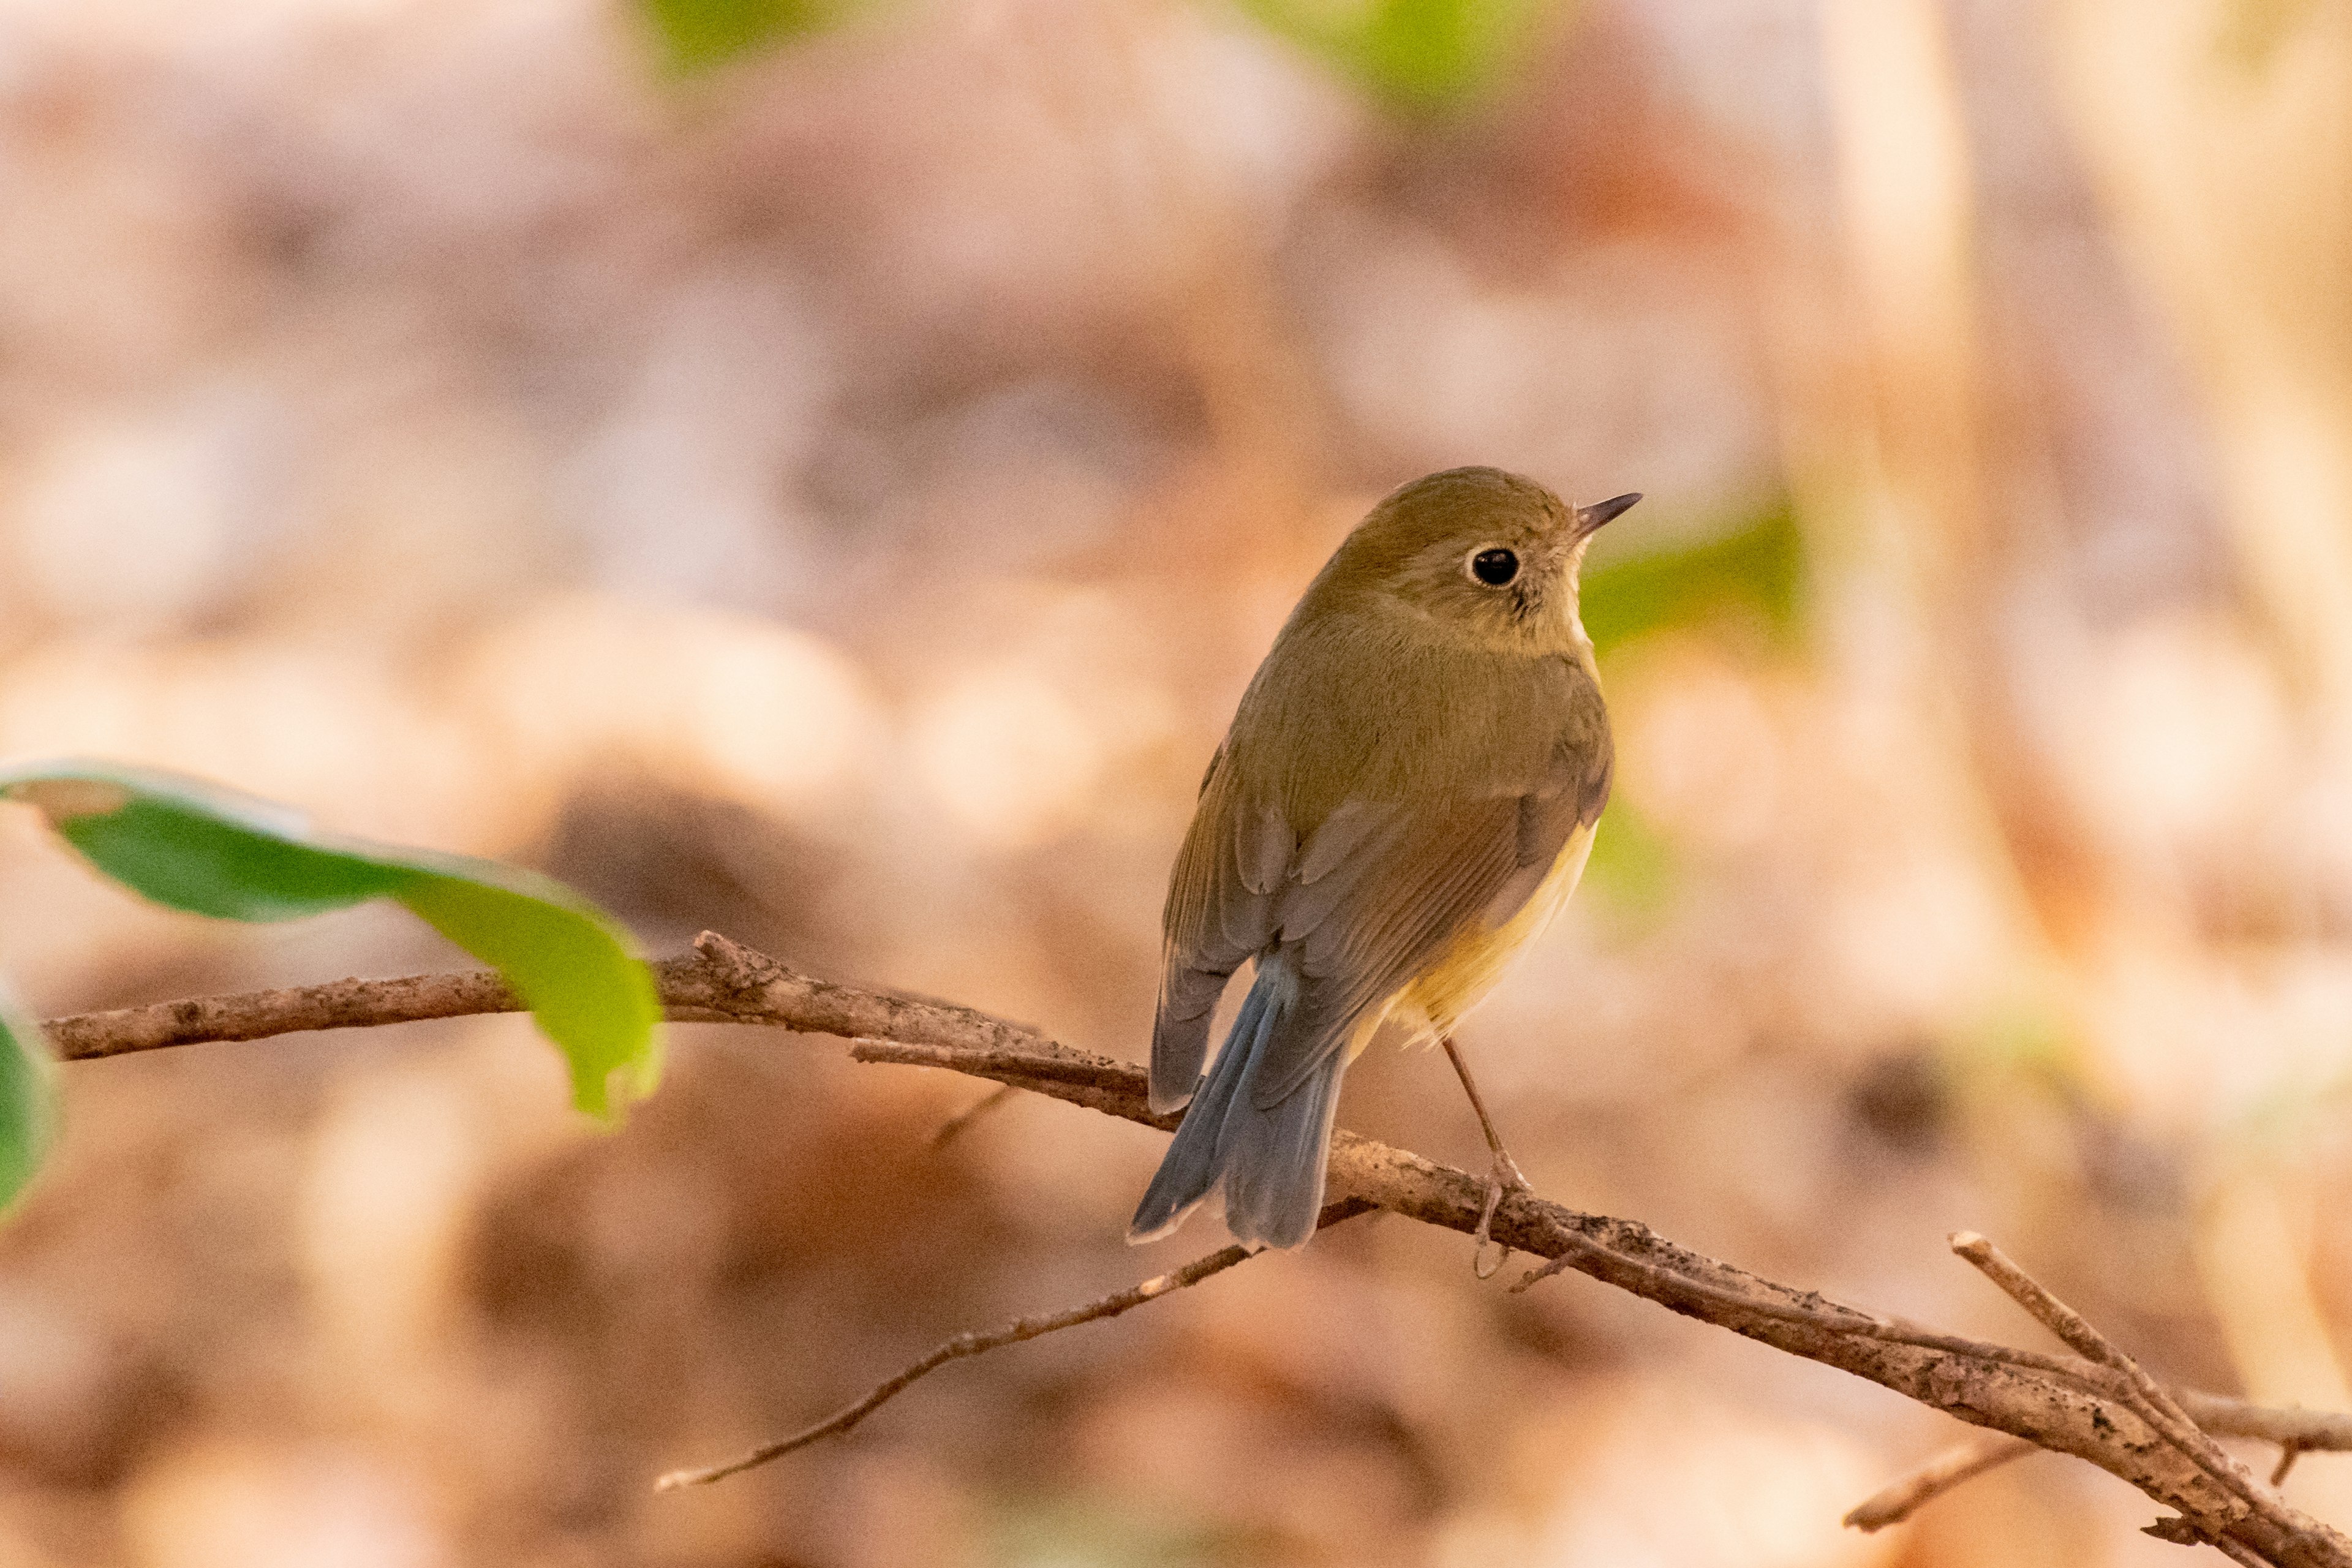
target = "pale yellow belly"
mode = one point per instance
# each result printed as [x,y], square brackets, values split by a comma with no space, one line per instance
[1434,1000]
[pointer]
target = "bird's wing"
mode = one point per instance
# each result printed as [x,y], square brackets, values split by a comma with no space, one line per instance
[1237,855]
[1376,890]
[1409,882]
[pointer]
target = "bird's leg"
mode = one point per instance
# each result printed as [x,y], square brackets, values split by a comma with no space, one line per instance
[1501,1177]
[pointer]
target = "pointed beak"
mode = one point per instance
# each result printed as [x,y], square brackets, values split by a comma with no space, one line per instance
[1589,519]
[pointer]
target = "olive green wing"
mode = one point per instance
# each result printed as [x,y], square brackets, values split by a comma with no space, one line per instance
[1384,883]
[1409,882]
[1242,864]
[1220,913]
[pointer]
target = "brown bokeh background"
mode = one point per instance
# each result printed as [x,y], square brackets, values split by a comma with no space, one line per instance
[837,499]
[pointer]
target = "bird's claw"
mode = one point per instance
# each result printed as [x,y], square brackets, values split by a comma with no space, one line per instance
[1503,1177]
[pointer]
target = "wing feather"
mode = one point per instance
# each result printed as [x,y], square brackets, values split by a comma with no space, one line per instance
[1215,920]
[1374,892]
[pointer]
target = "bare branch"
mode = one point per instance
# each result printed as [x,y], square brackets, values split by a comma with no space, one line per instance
[972,1344]
[340,1005]
[2090,1407]
[1898,1501]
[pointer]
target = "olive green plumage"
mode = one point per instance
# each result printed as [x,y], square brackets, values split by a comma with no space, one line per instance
[1405,797]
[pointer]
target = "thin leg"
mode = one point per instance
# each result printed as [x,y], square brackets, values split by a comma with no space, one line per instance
[1502,1177]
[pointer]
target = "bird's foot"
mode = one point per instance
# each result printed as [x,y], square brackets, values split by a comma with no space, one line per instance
[1502,1177]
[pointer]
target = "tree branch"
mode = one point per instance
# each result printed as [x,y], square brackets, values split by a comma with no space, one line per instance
[2096,1408]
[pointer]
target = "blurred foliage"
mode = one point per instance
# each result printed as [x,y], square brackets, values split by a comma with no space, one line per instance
[1062,1529]
[2022,1042]
[700,34]
[28,1100]
[1757,569]
[1423,56]
[1632,865]
[1755,573]
[1419,55]
[198,847]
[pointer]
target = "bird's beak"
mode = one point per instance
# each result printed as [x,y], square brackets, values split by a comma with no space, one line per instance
[1589,519]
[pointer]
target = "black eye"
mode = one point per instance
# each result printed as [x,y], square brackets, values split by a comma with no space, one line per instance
[1494,567]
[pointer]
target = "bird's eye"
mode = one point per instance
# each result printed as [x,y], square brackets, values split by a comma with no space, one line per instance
[1494,566]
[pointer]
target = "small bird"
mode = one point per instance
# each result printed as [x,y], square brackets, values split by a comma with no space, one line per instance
[1405,799]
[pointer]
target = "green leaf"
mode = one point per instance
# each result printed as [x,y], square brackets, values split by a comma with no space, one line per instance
[1418,54]
[199,847]
[28,1115]
[700,34]
[570,964]
[1757,569]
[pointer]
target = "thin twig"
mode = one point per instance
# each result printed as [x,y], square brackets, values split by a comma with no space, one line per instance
[954,1125]
[973,1343]
[1898,1501]
[2059,1318]
[2289,1452]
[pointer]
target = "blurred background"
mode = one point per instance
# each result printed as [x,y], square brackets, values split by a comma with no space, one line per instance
[825,469]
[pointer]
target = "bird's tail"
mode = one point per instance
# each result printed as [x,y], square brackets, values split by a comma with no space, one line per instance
[1270,1160]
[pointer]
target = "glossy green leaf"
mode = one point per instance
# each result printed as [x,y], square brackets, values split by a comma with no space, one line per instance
[196,846]
[1756,570]
[700,34]
[1418,54]
[28,1116]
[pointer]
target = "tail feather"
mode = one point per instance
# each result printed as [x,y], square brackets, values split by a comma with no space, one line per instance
[1270,1160]
[1273,1158]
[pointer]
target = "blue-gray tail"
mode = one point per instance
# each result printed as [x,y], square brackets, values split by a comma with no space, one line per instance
[1270,1160]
